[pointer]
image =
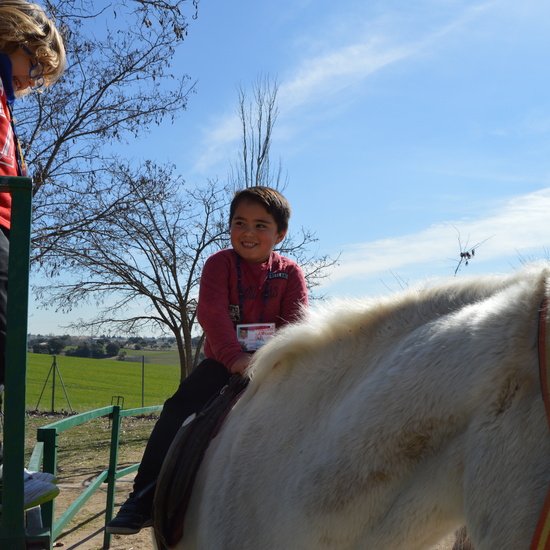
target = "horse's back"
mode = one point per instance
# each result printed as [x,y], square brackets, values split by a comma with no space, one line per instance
[387,429]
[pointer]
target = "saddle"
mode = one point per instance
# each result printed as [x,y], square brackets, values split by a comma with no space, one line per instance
[177,476]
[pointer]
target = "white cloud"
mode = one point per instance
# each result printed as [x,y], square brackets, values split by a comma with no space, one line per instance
[380,44]
[325,75]
[520,224]
[218,142]
[377,45]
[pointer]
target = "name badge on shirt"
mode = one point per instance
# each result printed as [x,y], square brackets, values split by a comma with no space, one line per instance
[254,336]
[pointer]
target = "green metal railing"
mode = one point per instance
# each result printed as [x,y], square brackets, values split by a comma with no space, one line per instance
[47,445]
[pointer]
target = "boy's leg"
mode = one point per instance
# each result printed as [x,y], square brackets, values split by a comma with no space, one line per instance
[192,395]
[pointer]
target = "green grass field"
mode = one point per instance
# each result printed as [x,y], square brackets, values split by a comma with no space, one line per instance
[160,357]
[92,383]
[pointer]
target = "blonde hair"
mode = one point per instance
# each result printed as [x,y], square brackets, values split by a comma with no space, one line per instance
[23,23]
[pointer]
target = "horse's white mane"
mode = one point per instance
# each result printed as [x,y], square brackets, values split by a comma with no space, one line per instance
[351,322]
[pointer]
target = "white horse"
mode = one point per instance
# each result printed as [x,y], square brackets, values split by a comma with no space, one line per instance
[386,424]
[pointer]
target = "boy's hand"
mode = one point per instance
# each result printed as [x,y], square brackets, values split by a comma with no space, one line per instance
[240,364]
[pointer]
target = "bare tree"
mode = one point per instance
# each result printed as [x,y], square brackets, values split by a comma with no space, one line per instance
[139,259]
[258,113]
[257,116]
[118,83]
[141,266]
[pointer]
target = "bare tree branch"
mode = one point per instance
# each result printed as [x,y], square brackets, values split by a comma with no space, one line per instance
[118,83]
[141,267]
[253,167]
[466,253]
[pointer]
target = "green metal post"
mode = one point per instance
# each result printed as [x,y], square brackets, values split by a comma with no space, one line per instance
[143,380]
[53,384]
[111,476]
[12,530]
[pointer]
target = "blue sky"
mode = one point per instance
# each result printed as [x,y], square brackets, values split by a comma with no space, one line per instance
[403,127]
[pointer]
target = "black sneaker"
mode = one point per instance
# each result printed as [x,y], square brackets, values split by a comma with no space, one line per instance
[133,516]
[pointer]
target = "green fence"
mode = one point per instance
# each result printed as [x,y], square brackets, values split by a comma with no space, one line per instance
[46,450]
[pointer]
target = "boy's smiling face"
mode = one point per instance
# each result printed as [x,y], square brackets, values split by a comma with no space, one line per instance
[254,232]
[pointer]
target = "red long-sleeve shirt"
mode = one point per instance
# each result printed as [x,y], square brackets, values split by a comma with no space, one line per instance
[220,299]
[8,160]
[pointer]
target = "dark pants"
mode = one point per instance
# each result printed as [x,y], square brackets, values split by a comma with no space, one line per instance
[4,257]
[208,378]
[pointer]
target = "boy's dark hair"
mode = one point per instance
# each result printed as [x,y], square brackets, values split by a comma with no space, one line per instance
[273,201]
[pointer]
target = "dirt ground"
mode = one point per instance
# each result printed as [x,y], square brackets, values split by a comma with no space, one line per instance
[82,455]
[86,530]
